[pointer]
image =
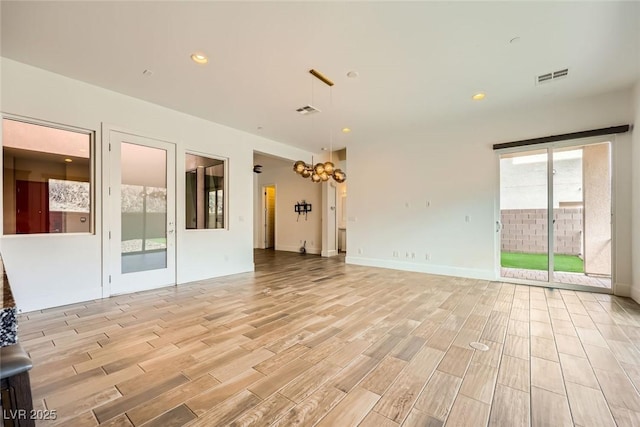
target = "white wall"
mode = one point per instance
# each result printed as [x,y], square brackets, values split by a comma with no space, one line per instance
[53,270]
[291,229]
[453,167]
[635,288]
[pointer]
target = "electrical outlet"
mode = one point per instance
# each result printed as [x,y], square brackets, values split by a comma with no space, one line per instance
[360,251]
[395,254]
[413,255]
[407,255]
[428,203]
[467,218]
[427,257]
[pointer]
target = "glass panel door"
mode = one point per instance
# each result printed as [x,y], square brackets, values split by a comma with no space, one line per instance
[142,220]
[582,215]
[143,195]
[575,228]
[523,214]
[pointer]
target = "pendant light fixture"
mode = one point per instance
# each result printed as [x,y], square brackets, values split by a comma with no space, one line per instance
[321,172]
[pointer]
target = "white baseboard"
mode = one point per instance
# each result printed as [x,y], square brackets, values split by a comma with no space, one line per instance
[314,251]
[470,273]
[330,253]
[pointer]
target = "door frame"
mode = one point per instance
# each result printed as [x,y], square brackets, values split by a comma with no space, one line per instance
[263,209]
[329,219]
[550,235]
[107,222]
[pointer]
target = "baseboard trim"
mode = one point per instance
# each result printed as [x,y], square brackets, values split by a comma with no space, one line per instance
[330,253]
[443,270]
[314,251]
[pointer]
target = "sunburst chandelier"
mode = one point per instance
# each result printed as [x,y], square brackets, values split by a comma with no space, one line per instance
[320,172]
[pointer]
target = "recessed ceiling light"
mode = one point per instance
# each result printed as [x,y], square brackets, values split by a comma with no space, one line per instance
[478,96]
[68,160]
[514,40]
[353,74]
[147,73]
[199,58]
[346,130]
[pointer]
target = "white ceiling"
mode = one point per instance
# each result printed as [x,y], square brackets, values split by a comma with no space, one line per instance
[418,62]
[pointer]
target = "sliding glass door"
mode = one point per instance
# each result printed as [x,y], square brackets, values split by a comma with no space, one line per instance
[555,215]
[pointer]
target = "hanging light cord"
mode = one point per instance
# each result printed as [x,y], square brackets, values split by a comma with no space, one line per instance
[321,172]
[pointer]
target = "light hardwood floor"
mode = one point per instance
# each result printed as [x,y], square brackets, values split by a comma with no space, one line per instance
[307,340]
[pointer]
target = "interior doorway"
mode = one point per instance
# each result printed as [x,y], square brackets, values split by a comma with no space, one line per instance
[269,223]
[555,215]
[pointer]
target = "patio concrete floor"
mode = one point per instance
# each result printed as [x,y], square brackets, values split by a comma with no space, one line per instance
[559,277]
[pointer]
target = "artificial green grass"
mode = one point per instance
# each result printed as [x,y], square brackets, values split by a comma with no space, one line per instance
[568,263]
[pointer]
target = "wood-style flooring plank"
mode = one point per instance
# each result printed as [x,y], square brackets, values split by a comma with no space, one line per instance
[467,412]
[227,411]
[588,406]
[313,408]
[510,407]
[383,375]
[549,409]
[438,396]
[265,413]
[351,410]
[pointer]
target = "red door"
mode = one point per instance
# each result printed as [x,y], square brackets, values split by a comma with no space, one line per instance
[32,207]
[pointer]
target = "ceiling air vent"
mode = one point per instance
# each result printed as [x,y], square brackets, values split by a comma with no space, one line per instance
[307,109]
[546,78]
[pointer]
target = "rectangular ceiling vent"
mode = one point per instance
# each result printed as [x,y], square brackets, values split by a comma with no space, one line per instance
[307,109]
[548,77]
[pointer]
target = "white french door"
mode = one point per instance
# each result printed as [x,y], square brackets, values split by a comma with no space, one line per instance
[141,221]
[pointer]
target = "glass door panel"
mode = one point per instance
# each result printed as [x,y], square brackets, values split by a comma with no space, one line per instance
[523,214]
[143,208]
[582,215]
[141,225]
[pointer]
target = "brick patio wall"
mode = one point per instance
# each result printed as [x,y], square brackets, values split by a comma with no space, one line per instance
[525,230]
